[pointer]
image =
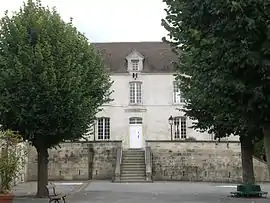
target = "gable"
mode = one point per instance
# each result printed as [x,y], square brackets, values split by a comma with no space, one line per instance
[134,55]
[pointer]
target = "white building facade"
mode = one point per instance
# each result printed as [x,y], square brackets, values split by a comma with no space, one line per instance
[144,96]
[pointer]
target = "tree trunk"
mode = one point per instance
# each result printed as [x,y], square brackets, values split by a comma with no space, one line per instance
[266,138]
[42,171]
[247,160]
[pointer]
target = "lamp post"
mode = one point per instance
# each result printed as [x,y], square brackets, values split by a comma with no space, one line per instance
[171,123]
[33,37]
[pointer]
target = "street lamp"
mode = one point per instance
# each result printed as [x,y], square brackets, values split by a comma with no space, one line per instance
[33,37]
[171,123]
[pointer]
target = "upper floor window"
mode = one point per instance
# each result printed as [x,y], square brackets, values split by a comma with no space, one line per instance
[177,96]
[103,128]
[135,65]
[135,92]
[180,127]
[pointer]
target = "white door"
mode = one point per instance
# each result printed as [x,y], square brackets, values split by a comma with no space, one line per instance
[135,136]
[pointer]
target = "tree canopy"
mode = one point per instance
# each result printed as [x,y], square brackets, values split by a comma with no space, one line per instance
[52,80]
[224,47]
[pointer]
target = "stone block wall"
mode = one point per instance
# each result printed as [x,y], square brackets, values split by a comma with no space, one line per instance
[200,161]
[77,161]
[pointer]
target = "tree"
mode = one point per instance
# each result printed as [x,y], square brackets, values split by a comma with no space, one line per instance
[224,47]
[52,81]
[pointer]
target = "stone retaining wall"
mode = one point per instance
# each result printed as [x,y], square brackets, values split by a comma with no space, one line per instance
[172,160]
[78,161]
[200,161]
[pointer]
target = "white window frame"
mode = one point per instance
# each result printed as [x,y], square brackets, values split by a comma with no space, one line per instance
[135,92]
[103,128]
[179,127]
[177,95]
[135,120]
[135,64]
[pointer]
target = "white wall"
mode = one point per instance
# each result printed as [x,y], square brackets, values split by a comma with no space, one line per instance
[157,96]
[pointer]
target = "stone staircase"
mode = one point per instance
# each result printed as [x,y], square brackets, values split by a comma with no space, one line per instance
[133,167]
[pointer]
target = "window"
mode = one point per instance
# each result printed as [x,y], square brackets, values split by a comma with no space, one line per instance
[135,93]
[177,97]
[180,127]
[135,120]
[103,128]
[135,65]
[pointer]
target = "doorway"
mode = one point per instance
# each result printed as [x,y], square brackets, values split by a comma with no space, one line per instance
[135,132]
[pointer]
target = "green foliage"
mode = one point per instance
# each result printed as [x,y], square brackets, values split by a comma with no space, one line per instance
[52,81]
[11,159]
[224,47]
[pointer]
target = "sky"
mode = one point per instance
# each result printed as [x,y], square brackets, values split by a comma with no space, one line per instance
[108,20]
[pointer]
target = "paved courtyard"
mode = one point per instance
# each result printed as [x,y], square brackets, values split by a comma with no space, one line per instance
[157,192]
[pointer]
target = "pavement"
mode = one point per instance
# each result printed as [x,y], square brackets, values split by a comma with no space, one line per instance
[157,192]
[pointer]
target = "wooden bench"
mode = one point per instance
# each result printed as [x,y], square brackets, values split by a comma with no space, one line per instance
[249,194]
[249,190]
[52,195]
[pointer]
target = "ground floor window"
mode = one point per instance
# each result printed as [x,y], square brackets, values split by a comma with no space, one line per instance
[180,127]
[103,128]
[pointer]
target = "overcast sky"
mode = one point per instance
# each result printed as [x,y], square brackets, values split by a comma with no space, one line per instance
[108,20]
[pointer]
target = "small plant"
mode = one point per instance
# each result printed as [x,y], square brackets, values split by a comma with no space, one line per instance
[11,159]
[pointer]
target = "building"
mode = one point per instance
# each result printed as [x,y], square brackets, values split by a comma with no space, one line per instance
[145,96]
[144,99]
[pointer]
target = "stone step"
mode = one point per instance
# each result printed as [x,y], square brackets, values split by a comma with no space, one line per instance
[140,155]
[134,181]
[133,173]
[136,160]
[133,176]
[133,155]
[135,163]
[133,168]
[139,172]
[133,159]
[134,152]
[130,162]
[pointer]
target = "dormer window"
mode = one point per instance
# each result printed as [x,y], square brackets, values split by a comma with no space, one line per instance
[135,65]
[134,62]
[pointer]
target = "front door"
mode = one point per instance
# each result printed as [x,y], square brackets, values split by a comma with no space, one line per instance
[136,136]
[135,132]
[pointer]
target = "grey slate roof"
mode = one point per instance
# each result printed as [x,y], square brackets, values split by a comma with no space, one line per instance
[158,56]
